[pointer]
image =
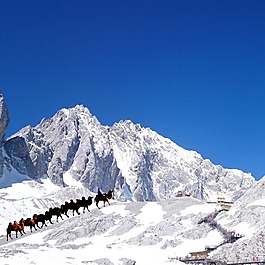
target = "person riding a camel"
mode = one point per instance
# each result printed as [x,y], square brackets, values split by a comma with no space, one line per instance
[100,194]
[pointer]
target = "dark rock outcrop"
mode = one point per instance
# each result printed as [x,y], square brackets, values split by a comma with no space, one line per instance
[4,117]
[4,122]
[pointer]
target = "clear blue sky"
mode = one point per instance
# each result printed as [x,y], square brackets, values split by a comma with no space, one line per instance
[194,71]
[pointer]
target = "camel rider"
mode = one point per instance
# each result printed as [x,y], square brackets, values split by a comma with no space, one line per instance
[100,194]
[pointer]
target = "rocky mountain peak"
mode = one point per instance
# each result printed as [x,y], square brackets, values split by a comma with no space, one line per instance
[141,165]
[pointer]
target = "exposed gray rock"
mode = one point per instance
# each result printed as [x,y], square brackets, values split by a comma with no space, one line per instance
[4,117]
[18,152]
[128,261]
[4,122]
[136,162]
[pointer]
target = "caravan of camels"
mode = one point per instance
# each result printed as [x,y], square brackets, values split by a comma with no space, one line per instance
[18,227]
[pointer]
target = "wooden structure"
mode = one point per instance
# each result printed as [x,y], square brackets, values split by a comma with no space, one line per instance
[225,207]
[199,254]
[220,200]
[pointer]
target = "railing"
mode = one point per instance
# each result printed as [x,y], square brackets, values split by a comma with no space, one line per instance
[247,262]
[205,260]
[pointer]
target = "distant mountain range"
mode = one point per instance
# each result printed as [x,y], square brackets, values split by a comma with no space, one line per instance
[73,148]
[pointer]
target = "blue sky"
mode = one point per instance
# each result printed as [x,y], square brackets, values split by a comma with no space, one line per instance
[194,71]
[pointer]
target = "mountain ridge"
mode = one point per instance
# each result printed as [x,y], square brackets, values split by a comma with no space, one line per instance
[71,154]
[137,162]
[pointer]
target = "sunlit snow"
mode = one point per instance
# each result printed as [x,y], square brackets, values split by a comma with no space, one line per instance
[123,233]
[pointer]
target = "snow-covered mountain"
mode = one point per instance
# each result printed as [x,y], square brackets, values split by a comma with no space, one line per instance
[128,233]
[138,163]
[71,154]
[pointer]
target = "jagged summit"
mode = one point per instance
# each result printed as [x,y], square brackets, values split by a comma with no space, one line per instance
[72,114]
[137,162]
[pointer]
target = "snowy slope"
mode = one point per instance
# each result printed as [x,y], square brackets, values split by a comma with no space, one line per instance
[126,232]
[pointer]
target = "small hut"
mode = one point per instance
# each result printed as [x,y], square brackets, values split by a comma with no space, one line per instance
[225,207]
[199,254]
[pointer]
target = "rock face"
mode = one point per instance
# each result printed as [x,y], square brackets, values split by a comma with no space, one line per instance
[4,117]
[139,164]
[4,122]
[18,152]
